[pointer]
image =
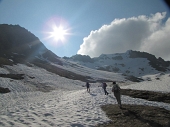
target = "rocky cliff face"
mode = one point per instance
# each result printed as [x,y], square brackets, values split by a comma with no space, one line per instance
[159,64]
[18,45]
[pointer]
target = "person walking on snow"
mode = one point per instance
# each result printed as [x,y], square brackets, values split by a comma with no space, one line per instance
[116,90]
[104,85]
[88,87]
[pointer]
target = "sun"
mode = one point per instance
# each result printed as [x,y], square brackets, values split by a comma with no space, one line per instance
[58,33]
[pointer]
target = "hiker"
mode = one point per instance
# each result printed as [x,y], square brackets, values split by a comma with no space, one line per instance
[88,87]
[116,90]
[104,85]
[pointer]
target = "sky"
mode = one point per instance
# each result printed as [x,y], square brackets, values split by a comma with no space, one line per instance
[93,27]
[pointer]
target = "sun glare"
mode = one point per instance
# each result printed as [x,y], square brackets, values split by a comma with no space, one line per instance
[58,33]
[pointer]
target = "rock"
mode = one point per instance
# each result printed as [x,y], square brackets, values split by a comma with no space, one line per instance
[13,76]
[4,90]
[148,95]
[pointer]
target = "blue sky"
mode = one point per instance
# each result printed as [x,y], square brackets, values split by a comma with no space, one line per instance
[94,27]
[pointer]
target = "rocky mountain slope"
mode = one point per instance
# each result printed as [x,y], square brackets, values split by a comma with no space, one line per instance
[18,45]
[133,63]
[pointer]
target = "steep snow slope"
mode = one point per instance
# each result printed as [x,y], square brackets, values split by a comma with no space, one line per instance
[35,78]
[38,79]
[95,74]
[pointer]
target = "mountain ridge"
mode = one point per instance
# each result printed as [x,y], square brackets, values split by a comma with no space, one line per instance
[116,62]
[19,46]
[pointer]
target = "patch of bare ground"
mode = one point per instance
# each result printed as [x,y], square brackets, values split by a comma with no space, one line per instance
[148,95]
[13,76]
[136,116]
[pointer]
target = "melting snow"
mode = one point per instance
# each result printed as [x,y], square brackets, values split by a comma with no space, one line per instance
[68,105]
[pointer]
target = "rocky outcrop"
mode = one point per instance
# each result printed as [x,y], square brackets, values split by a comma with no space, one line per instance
[83,58]
[13,76]
[159,64]
[4,90]
[148,95]
[21,46]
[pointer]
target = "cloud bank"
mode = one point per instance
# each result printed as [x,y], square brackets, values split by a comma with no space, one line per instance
[143,33]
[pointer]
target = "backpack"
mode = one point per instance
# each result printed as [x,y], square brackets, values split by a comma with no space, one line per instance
[87,84]
[104,85]
[116,88]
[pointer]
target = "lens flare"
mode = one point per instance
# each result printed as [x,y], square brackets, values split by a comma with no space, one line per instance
[56,31]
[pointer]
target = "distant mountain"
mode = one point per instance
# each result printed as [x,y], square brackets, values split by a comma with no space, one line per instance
[19,45]
[133,63]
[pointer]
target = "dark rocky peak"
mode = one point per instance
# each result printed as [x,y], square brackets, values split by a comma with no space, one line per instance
[104,56]
[20,45]
[138,54]
[83,58]
[159,64]
[17,40]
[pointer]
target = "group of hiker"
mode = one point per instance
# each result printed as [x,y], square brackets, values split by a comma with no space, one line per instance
[115,89]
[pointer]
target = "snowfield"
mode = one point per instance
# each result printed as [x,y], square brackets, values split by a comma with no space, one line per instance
[157,82]
[68,104]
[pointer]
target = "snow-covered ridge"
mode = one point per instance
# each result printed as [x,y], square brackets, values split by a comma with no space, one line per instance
[129,63]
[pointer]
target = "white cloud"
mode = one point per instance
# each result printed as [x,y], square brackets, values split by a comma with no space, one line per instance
[140,33]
